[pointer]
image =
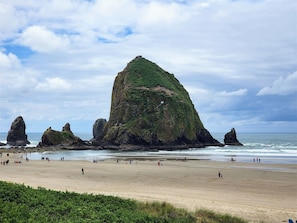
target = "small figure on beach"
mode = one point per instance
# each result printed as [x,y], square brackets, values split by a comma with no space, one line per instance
[82,171]
[219,174]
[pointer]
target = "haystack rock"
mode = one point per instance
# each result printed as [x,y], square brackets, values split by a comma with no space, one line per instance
[17,134]
[151,109]
[231,138]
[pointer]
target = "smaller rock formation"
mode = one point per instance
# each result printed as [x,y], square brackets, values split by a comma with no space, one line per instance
[60,138]
[98,128]
[66,128]
[17,134]
[231,138]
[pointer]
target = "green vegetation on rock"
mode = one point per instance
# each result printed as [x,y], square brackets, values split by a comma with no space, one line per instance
[144,73]
[52,137]
[150,107]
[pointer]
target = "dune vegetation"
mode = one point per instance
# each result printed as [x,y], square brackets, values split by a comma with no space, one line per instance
[20,203]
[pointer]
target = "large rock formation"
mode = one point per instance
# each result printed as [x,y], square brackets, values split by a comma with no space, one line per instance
[17,134]
[150,108]
[62,138]
[98,128]
[231,138]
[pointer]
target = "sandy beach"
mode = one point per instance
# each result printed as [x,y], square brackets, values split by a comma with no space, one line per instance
[256,192]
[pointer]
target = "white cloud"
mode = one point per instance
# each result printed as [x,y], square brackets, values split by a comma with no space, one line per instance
[40,39]
[239,92]
[54,84]
[8,61]
[210,100]
[281,86]
[222,51]
[15,79]
[156,13]
[10,20]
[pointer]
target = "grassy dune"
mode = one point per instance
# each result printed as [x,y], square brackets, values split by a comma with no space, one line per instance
[19,203]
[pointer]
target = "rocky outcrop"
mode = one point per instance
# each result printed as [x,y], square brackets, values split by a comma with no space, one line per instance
[66,128]
[150,108]
[17,134]
[98,128]
[231,138]
[206,138]
[60,138]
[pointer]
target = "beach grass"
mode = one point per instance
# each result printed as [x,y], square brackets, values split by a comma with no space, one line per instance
[20,203]
[207,216]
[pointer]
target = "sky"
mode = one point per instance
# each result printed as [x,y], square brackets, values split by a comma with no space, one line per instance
[236,58]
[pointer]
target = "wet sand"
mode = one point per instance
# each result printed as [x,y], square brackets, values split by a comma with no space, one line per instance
[256,192]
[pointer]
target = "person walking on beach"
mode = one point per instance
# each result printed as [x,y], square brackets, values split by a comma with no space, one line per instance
[82,171]
[219,174]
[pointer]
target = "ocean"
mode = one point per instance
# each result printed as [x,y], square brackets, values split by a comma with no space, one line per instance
[276,148]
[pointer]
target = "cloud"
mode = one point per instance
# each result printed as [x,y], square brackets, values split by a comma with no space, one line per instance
[281,86]
[15,79]
[153,13]
[11,20]
[239,92]
[211,100]
[56,53]
[40,39]
[53,84]
[8,61]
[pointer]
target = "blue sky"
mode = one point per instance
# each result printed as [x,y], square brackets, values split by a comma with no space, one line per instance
[237,59]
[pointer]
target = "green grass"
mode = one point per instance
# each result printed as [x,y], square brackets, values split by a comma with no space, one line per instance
[19,203]
[206,216]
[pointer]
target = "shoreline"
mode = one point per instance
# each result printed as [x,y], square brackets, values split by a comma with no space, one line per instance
[255,192]
[91,154]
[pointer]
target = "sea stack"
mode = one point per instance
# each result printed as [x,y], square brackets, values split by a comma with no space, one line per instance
[151,109]
[65,138]
[98,128]
[17,134]
[231,138]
